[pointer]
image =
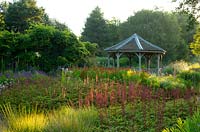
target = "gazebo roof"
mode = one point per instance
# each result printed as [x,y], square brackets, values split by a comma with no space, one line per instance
[137,44]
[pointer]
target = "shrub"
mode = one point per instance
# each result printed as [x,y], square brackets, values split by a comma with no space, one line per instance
[195,67]
[153,82]
[170,82]
[191,78]
[176,67]
[191,124]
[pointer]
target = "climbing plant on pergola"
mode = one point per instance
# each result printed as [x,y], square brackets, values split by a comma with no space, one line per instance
[135,45]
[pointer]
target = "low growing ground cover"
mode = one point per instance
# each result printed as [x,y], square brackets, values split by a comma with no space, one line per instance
[123,99]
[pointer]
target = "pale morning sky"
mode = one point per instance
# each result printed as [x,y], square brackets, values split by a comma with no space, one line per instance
[75,12]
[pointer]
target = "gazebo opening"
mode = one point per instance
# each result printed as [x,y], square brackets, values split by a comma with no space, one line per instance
[135,45]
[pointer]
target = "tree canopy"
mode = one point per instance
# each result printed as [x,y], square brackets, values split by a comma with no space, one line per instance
[21,14]
[167,30]
[95,30]
[30,39]
[3,9]
[195,45]
[159,28]
[192,9]
[43,47]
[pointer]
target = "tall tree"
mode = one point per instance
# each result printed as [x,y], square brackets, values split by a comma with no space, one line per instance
[186,33]
[96,30]
[21,14]
[192,9]
[113,31]
[195,45]
[159,28]
[58,25]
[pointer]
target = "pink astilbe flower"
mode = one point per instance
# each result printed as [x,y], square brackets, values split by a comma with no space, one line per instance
[99,99]
[131,92]
[112,97]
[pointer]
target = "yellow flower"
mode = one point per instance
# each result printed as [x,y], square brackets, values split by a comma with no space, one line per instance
[130,72]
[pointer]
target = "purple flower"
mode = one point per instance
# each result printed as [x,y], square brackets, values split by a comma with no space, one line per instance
[24,74]
[41,73]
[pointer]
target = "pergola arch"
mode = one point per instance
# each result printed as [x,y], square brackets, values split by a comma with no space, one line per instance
[135,45]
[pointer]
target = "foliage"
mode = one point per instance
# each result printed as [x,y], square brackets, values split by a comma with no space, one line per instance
[113,31]
[159,28]
[195,66]
[191,78]
[3,8]
[5,82]
[58,25]
[142,116]
[176,67]
[6,39]
[21,14]
[131,76]
[191,124]
[95,30]
[73,120]
[191,8]
[46,92]
[125,99]
[186,33]
[35,120]
[31,40]
[170,82]
[195,45]
[49,93]
[44,48]
[52,45]
[24,120]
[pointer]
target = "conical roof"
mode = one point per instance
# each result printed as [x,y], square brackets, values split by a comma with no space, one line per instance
[135,43]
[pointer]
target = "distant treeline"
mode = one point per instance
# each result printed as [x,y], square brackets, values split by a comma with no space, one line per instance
[29,38]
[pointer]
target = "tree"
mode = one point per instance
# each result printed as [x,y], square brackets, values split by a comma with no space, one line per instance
[3,8]
[21,14]
[53,48]
[186,33]
[96,30]
[195,45]
[192,9]
[113,31]
[159,28]
[53,22]
[8,49]
[88,58]
[58,25]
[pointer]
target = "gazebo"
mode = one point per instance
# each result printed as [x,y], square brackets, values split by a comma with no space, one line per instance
[135,45]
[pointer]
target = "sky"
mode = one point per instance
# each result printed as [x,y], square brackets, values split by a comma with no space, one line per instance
[75,12]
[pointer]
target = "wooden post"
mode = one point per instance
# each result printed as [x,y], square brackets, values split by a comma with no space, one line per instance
[118,56]
[149,64]
[139,55]
[108,60]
